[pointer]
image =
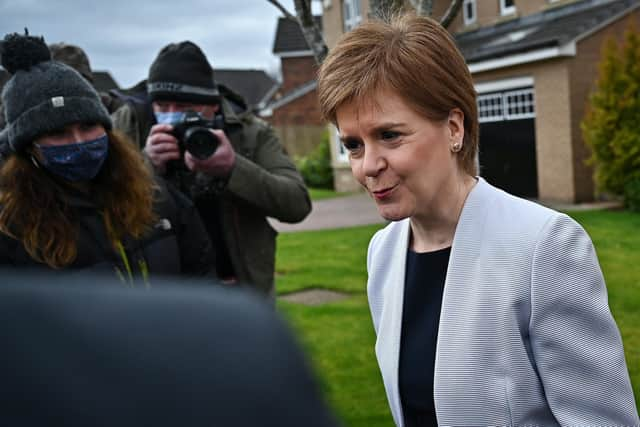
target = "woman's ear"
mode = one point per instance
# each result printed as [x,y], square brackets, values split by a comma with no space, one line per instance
[455,124]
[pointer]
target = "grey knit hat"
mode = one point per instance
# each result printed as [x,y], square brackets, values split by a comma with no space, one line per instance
[181,72]
[43,95]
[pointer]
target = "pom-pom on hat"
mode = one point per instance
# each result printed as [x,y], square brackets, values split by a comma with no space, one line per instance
[42,95]
[181,72]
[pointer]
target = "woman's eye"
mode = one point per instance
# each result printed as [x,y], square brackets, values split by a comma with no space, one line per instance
[351,145]
[388,135]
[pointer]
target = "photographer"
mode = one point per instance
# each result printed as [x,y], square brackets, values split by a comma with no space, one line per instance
[248,176]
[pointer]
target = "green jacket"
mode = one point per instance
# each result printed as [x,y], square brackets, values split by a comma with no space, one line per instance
[264,183]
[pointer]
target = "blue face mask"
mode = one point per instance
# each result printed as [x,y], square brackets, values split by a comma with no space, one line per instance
[170,118]
[77,161]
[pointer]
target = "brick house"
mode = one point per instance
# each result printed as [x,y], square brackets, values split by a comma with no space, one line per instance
[294,110]
[534,63]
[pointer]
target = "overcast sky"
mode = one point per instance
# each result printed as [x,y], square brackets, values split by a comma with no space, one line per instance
[124,36]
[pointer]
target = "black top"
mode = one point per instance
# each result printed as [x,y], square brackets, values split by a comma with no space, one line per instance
[424,284]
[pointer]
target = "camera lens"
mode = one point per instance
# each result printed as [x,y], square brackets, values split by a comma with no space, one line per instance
[200,142]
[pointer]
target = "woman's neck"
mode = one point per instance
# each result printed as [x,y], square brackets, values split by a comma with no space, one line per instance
[437,229]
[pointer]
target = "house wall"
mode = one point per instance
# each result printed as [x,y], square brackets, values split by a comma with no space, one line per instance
[332,23]
[297,71]
[554,149]
[299,112]
[300,140]
[299,124]
[584,74]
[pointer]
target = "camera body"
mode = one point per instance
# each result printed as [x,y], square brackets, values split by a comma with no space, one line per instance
[194,134]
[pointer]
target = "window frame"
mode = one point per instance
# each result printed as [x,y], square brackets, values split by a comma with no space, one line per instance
[507,10]
[342,155]
[354,18]
[514,104]
[474,7]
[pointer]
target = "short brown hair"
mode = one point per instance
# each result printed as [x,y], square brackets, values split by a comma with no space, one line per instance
[413,56]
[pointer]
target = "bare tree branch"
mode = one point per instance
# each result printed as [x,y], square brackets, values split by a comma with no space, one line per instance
[451,13]
[310,30]
[282,9]
[425,8]
[384,9]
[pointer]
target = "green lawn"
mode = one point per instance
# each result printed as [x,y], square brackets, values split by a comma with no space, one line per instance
[321,193]
[339,336]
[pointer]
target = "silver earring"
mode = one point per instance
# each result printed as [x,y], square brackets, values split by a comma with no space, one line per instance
[35,161]
[456,147]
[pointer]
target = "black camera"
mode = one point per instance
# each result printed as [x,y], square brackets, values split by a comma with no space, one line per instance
[194,134]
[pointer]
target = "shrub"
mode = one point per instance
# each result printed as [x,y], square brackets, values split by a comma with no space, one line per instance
[611,127]
[316,166]
[632,195]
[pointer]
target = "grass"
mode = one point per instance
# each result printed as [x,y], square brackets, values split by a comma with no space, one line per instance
[321,194]
[339,336]
[303,262]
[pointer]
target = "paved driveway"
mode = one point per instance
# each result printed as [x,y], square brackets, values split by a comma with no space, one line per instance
[339,212]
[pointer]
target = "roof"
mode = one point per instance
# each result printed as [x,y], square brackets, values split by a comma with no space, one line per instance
[103,81]
[551,28]
[294,94]
[289,37]
[255,86]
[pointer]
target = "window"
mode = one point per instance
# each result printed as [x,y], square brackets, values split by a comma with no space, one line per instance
[469,12]
[511,105]
[342,155]
[519,104]
[507,7]
[351,14]
[490,108]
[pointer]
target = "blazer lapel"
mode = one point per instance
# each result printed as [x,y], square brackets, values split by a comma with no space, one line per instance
[465,252]
[388,343]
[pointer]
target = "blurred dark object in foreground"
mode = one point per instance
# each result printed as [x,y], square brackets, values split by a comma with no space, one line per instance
[94,352]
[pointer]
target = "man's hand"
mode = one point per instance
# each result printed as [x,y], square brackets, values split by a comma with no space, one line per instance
[220,163]
[161,146]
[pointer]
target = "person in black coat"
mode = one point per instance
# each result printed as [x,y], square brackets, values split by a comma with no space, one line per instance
[74,354]
[75,195]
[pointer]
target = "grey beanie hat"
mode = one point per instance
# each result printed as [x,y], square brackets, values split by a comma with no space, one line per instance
[43,95]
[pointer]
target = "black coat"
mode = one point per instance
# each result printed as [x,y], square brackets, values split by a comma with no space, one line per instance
[178,244]
[82,355]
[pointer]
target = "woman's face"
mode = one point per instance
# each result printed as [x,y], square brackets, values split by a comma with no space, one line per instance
[403,159]
[74,133]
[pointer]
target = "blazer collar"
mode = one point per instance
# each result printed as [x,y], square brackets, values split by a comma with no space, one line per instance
[464,249]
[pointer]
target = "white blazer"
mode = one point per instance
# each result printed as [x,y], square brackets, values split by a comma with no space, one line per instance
[526,337]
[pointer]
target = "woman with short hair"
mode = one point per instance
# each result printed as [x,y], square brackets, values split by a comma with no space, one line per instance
[488,309]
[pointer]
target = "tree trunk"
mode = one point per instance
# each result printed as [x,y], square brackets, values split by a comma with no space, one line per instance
[310,30]
[451,13]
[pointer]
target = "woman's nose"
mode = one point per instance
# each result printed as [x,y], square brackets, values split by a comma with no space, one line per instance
[373,163]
